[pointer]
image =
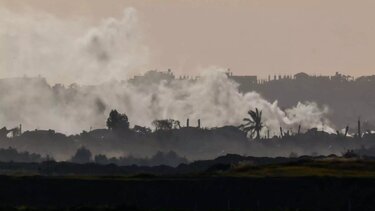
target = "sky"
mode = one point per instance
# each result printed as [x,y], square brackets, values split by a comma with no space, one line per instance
[250,37]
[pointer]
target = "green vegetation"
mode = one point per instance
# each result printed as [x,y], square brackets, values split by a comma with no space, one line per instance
[339,167]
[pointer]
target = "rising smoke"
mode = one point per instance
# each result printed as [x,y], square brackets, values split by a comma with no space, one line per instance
[70,50]
[66,51]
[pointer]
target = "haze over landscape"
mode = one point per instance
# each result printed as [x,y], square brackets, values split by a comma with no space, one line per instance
[65,42]
[187,105]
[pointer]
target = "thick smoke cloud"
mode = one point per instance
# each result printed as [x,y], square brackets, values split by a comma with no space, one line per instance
[70,51]
[213,98]
[67,51]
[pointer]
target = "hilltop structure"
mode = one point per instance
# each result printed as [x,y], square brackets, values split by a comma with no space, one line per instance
[153,76]
[244,81]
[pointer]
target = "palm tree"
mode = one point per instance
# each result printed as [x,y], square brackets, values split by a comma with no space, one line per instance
[253,124]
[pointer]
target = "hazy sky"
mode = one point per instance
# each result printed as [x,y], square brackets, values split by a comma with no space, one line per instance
[250,37]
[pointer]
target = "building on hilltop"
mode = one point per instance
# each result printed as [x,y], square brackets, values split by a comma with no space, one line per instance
[301,76]
[244,81]
[341,77]
[153,76]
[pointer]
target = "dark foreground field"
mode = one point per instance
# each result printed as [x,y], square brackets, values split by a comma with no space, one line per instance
[206,193]
[226,183]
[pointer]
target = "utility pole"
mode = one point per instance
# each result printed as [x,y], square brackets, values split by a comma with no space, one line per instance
[359,128]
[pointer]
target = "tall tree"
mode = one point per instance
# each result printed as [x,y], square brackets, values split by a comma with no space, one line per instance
[82,155]
[253,125]
[117,121]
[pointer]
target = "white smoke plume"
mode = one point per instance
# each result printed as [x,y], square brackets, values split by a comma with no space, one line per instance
[213,98]
[67,51]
